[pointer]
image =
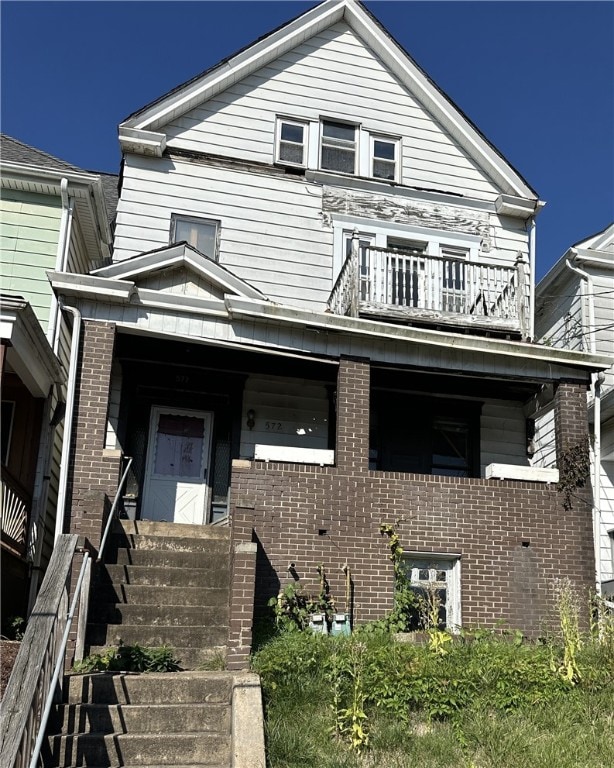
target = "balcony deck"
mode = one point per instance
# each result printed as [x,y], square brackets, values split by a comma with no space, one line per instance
[404,286]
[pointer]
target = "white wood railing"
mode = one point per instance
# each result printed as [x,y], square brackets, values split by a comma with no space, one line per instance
[15,514]
[449,287]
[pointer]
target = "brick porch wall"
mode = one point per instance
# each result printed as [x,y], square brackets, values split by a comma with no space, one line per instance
[514,538]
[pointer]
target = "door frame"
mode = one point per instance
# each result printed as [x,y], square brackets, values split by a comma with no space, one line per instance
[156,411]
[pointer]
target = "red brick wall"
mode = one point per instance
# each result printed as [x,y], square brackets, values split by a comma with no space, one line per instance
[331,515]
[94,476]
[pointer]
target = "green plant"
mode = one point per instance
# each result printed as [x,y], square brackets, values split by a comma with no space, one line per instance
[350,721]
[293,606]
[15,627]
[405,600]
[129,658]
[567,604]
[574,470]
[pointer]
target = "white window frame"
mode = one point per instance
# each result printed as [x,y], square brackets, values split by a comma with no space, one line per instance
[396,142]
[305,125]
[175,217]
[7,429]
[357,144]
[433,561]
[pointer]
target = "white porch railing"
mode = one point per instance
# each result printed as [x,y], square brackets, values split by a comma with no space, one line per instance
[380,281]
[15,514]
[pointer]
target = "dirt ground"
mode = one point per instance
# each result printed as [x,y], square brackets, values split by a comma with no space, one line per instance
[8,654]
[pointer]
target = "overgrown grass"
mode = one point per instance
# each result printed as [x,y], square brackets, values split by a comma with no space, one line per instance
[489,702]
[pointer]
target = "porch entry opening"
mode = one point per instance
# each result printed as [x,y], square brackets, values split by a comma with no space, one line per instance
[176,485]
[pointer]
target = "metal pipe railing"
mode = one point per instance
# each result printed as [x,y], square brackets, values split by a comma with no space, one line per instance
[113,508]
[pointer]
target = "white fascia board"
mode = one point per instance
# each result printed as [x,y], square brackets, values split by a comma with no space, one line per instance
[141,141]
[238,307]
[29,353]
[517,207]
[554,273]
[436,103]
[81,186]
[176,255]
[252,58]
[591,257]
[69,284]
[179,303]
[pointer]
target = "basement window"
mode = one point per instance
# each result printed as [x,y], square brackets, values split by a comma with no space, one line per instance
[435,581]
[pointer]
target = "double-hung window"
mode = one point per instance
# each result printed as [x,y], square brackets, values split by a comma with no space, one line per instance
[384,158]
[201,234]
[338,147]
[292,142]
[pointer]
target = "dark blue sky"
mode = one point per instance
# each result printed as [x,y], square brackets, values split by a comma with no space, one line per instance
[537,78]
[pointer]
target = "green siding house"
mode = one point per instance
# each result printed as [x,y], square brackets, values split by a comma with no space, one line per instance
[53,216]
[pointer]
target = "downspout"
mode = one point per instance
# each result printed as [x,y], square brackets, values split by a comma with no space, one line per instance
[68,419]
[532,278]
[61,260]
[599,378]
[596,381]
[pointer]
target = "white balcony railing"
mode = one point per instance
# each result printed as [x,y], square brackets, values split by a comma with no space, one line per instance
[15,515]
[386,282]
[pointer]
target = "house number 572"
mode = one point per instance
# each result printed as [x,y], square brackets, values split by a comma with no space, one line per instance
[272,426]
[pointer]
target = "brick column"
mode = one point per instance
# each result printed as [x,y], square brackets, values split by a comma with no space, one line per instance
[241,605]
[570,416]
[353,393]
[95,472]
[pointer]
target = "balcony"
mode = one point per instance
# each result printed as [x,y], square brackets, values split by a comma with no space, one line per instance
[414,287]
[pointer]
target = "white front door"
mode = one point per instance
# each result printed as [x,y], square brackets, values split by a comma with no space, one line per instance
[176,478]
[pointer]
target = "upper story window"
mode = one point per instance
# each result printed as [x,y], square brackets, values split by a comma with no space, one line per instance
[384,158]
[292,142]
[338,147]
[201,234]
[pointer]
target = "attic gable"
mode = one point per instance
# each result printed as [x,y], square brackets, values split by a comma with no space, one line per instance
[179,269]
[147,131]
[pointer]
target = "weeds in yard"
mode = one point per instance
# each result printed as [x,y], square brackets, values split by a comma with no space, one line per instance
[129,658]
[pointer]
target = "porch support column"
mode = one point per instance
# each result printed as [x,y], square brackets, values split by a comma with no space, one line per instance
[572,457]
[95,471]
[353,394]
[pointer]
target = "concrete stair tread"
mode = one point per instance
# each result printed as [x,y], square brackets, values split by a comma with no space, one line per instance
[169,558]
[162,615]
[206,575]
[169,543]
[187,687]
[146,594]
[140,749]
[190,717]
[172,530]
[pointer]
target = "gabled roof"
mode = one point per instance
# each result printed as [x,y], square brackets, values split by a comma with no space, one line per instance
[600,241]
[145,126]
[17,151]
[179,254]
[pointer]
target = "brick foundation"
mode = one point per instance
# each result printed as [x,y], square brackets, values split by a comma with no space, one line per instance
[513,538]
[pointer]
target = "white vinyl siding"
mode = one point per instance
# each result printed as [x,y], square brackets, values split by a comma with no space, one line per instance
[271,230]
[502,434]
[288,412]
[332,75]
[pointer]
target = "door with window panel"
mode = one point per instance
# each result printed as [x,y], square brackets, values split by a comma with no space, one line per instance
[176,481]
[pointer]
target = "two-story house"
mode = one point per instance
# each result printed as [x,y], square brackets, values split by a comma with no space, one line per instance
[575,310]
[53,216]
[318,319]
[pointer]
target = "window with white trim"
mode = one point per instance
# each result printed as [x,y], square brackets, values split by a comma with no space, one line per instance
[291,142]
[338,147]
[201,234]
[435,580]
[384,159]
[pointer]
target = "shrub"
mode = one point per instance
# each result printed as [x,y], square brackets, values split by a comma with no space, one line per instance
[129,658]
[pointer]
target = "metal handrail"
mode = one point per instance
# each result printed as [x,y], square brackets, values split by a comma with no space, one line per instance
[59,666]
[113,508]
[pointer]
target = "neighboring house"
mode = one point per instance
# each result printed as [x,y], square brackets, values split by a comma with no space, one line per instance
[575,309]
[53,217]
[318,319]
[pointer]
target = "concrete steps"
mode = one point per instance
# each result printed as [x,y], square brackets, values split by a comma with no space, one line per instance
[161,584]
